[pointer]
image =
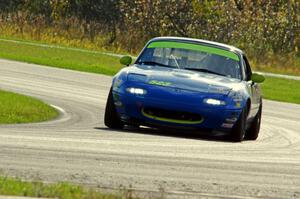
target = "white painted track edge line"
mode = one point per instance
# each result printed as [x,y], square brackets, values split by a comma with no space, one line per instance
[292,77]
[62,47]
[59,109]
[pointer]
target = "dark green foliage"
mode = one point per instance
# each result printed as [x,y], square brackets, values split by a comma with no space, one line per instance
[98,14]
[260,27]
[10,5]
[36,7]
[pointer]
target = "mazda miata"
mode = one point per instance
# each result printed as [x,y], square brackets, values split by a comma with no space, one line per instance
[184,83]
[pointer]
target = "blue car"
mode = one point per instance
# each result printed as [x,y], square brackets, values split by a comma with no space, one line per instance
[184,83]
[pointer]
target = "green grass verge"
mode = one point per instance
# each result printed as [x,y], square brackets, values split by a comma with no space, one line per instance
[283,90]
[15,187]
[274,88]
[15,108]
[61,58]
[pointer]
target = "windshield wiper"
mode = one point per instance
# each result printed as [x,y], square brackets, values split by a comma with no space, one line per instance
[154,63]
[204,70]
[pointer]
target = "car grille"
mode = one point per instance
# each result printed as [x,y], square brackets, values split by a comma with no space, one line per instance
[172,116]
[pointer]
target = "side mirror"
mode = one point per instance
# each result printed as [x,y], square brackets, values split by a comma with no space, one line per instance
[257,78]
[126,60]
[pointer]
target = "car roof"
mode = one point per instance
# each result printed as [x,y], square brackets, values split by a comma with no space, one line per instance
[211,43]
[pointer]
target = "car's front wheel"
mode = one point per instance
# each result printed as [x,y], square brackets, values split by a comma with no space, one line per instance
[254,129]
[239,129]
[111,118]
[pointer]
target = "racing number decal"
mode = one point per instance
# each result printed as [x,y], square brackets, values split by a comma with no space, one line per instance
[160,83]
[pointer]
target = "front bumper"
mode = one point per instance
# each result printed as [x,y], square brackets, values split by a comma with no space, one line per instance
[131,108]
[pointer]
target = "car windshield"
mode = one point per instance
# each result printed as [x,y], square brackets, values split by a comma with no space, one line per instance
[191,56]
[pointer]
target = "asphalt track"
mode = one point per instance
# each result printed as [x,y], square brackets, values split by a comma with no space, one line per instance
[78,148]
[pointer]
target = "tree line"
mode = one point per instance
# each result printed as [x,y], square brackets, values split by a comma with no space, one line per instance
[258,26]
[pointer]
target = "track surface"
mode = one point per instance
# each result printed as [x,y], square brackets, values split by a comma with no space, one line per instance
[78,148]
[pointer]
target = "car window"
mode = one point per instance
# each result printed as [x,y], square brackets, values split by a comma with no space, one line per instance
[247,68]
[209,60]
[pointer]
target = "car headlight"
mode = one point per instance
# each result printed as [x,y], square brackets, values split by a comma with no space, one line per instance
[214,102]
[136,91]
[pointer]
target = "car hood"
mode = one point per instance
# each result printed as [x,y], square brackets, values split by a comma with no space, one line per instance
[184,79]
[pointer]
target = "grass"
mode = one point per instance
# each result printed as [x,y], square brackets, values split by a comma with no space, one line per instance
[283,90]
[273,88]
[16,187]
[15,108]
[61,58]
[288,64]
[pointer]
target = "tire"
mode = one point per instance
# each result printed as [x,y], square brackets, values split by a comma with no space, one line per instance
[111,118]
[253,131]
[238,131]
[134,126]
